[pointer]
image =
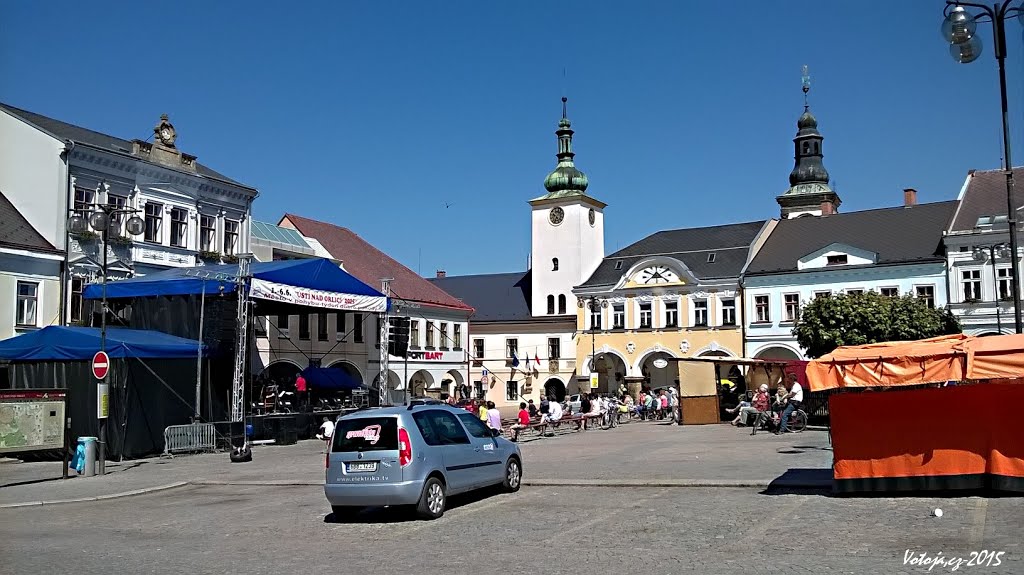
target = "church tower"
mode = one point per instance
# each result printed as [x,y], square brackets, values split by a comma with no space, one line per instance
[567,241]
[809,192]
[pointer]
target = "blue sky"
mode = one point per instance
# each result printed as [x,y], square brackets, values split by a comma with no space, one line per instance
[375,114]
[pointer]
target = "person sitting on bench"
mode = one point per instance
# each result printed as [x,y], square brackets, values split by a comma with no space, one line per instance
[522,422]
[554,413]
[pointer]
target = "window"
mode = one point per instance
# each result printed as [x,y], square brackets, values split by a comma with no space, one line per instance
[645,316]
[439,427]
[77,285]
[478,351]
[554,348]
[711,258]
[442,332]
[890,291]
[154,222]
[357,327]
[820,294]
[792,306]
[618,265]
[207,233]
[230,237]
[304,326]
[260,326]
[551,305]
[478,389]
[971,283]
[282,325]
[511,347]
[179,226]
[729,311]
[554,264]
[457,336]
[28,304]
[854,291]
[474,426]
[926,293]
[761,313]
[672,313]
[595,318]
[321,326]
[414,333]
[561,304]
[1003,275]
[430,335]
[837,260]
[965,249]
[700,312]
[117,221]
[385,440]
[83,200]
[618,316]
[511,393]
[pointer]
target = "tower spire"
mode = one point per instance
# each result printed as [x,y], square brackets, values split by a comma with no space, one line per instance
[566,179]
[805,80]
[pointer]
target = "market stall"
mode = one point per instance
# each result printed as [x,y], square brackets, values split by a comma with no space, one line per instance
[935,414]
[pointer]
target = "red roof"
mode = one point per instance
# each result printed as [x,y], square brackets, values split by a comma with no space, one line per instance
[369,264]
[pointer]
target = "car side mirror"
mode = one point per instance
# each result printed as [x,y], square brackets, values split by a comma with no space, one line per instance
[495,432]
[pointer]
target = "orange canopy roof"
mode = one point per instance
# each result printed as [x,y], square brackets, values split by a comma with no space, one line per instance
[995,357]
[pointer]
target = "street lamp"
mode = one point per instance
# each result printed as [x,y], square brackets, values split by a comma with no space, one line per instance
[982,253]
[104,219]
[593,304]
[959,29]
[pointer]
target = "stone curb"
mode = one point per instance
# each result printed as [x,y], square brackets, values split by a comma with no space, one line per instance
[756,483]
[142,491]
[264,483]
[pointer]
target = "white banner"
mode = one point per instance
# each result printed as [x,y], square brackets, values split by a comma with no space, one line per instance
[316,298]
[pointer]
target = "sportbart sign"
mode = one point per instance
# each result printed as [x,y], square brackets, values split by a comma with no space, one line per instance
[316,298]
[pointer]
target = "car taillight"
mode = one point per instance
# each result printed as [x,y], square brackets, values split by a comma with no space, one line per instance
[404,447]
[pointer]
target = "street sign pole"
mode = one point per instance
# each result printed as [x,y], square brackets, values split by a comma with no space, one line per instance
[100,369]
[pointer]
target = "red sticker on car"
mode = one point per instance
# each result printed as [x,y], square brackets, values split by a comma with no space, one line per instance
[370,433]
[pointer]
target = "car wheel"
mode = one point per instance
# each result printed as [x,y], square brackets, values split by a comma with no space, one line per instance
[344,512]
[513,475]
[432,500]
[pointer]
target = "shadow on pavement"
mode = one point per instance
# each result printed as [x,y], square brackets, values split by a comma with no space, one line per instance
[801,481]
[399,514]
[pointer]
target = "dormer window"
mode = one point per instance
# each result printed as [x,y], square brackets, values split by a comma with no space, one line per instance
[618,265]
[711,258]
[837,260]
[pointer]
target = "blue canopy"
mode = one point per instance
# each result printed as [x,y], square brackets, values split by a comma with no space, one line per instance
[315,282]
[330,378]
[59,343]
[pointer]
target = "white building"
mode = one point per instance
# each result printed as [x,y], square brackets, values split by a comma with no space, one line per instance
[981,288]
[192,213]
[30,269]
[438,359]
[524,329]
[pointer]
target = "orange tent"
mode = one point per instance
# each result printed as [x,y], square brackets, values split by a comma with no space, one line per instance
[995,357]
[895,363]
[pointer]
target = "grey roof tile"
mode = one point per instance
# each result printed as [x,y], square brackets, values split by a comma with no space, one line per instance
[730,243]
[897,235]
[17,232]
[495,297]
[986,196]
[92,138]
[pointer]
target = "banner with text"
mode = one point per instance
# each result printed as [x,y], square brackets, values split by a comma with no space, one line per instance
[316,298]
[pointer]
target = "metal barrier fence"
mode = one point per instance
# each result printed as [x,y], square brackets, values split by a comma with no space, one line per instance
[193,437]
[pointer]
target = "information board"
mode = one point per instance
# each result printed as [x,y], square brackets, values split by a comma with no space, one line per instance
[31,420]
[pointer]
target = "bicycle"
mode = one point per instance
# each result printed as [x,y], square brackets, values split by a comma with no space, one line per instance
[797,421]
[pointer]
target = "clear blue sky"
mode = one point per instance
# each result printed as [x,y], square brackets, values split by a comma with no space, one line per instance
[375,114]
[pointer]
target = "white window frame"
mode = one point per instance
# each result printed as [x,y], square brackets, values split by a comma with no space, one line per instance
[787,317]
[640,315]
[822,293]
[184,231]
[665,314]
[414,334]
[917,288]
[1004,276]
[157,219]
[855,290]
[721,311]
[706,309]
[510,343]
[754,315]
[442,332]
[429,334]
[208,234]
[976,281]
[35,298]
[457,336]
[552,352]
[231,249]
[882,289]
[618,308]
[479,359]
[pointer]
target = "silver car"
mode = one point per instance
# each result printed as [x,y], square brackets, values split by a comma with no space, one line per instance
[416,455]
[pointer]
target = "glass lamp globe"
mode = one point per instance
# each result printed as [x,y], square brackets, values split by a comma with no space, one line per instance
[980,255]
[77,224]
[967,52]
[1004,252]
[959,26]
[99,221]
[135,225]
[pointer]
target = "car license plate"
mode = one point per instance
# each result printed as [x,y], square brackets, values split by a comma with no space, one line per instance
[362,467]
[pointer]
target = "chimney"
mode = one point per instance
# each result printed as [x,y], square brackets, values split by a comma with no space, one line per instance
[827,208]
[909,197]
[441,273]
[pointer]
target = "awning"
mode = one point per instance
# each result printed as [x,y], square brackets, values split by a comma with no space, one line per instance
[896,363]
[330,378]
[314,282]
[58,343]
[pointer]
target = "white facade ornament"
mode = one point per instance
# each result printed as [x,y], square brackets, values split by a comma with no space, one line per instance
[727,293]
[657,347]
[605,348]
[700,294]
[630,348]
[684,346]
[714,345]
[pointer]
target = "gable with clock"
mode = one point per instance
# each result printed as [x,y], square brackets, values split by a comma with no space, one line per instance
[656,275]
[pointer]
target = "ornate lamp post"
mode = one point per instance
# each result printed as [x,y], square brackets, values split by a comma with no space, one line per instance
[959,29]
[982,253]
[593,305]
[104,219]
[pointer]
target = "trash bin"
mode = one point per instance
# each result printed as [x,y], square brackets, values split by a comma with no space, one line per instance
[89,446]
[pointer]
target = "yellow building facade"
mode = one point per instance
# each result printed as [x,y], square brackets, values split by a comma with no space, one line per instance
[674,294]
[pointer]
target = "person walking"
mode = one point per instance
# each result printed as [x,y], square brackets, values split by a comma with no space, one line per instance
[326,432]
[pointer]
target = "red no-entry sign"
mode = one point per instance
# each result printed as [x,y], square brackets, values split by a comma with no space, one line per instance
[100,365]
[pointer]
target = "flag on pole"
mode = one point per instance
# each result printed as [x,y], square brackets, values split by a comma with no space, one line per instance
[515,360]
[536,358]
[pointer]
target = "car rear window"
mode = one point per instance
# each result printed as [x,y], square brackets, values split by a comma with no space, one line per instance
[366,434]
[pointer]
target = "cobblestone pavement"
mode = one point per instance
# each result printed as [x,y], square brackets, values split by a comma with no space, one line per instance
[259,529]
[638,452]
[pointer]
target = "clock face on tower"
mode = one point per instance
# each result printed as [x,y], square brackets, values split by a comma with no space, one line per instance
[556,216]
[657,275]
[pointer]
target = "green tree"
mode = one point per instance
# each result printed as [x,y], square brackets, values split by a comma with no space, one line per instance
[857,319]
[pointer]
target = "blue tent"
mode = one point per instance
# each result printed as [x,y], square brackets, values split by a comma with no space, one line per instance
[58,343]
[330,378]
[314,282]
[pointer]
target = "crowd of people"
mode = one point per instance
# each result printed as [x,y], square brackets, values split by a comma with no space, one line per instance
[789,396]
